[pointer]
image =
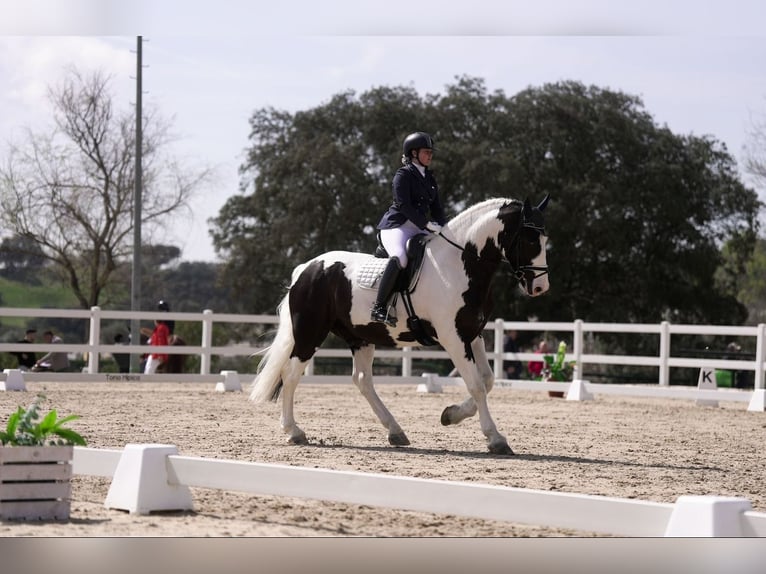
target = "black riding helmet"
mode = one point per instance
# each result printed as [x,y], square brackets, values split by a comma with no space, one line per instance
[417,140]
[163,306]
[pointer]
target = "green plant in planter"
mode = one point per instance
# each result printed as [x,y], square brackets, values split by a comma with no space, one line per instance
[556,367]
[25,428]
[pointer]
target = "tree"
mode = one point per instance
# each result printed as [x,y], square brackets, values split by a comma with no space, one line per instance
[755,152]
[21,259]
[637,222]
[752,286]
[319,179]
[70,191]
[639,215]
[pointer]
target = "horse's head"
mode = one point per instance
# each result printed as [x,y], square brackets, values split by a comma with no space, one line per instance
[523,242]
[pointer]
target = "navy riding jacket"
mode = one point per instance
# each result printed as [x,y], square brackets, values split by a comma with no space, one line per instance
[415,198]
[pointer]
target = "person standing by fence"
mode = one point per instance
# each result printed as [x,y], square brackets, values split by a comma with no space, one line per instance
[160,338]
[536,367]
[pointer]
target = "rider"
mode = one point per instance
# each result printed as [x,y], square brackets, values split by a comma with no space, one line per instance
[416,209]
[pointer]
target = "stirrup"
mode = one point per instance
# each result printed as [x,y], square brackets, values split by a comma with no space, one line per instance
[380,314]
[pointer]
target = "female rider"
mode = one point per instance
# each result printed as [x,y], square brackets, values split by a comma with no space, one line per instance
[416,208]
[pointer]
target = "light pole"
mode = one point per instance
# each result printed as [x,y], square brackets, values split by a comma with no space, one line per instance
[135,292]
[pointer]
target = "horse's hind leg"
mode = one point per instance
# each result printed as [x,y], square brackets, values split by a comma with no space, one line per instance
[362,377]
[291,376]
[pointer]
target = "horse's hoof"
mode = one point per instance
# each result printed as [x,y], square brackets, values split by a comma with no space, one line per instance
[501,448]
[299,439]
[398,439]
[447,415]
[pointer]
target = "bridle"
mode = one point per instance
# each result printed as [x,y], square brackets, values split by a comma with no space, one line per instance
[519,270]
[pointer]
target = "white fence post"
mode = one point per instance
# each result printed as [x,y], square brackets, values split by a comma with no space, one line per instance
[407,362]
[760,341]
[578,350]
[499,348]
[93,340]
[207,341]
[664,354]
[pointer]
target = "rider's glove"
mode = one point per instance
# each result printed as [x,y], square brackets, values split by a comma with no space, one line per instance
[433,227]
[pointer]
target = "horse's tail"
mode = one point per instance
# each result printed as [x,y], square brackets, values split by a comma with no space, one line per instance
[268,381]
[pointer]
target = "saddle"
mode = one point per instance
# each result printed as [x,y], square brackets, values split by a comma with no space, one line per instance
[407,282]
[416,250]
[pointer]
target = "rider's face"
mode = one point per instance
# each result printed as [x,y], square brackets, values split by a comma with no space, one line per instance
[425,156]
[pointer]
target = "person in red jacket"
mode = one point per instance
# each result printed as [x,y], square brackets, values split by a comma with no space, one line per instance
[535,368]
[160,337]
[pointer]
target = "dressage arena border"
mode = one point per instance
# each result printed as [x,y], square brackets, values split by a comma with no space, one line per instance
[577,390]
[149,478]
[153,477]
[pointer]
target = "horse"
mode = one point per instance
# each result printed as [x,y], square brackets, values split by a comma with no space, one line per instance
[452,299]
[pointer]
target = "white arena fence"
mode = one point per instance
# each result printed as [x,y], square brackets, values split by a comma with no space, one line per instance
[580,331]
[148,478]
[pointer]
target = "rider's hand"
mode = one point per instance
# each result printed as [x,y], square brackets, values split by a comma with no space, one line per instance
[433,227]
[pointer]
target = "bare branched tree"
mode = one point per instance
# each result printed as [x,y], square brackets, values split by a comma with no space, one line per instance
[755,152]
[70,191]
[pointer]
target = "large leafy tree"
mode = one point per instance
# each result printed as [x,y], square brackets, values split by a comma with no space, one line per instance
[640,214]
[313,181]
[69,192]
[637,222]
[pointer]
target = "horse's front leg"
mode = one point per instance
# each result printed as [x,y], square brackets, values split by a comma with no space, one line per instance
[455,414]
[362,377]
[479,380]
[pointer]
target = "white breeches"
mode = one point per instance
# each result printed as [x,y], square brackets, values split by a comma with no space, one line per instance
[395,240]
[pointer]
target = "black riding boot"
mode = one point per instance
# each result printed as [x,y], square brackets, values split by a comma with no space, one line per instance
[387,282]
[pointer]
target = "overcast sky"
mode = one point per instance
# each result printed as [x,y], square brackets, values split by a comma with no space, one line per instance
[700,68]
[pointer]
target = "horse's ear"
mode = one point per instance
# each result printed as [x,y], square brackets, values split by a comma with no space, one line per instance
[544,202]
[527,206]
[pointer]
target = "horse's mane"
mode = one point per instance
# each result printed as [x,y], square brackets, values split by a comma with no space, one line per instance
[463,220]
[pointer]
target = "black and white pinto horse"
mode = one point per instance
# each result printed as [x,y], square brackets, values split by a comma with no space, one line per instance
[452,299]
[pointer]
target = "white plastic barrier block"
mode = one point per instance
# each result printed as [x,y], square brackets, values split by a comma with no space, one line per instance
[140,484]
[14,381]
[432,384]
[230,382]
[757,401]
[578,391]
[718,516]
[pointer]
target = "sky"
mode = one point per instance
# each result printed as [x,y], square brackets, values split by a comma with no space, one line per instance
[699,67]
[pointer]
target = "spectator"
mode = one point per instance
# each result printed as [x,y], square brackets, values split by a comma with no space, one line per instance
[536,367]
[55,360]
[513,368]
[165,306]
[27,359]
[160,338]
[122,359]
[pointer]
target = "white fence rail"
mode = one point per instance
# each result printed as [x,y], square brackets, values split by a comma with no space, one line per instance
[147,478]
[580,333]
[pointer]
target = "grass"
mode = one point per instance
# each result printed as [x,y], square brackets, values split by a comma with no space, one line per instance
[14,294]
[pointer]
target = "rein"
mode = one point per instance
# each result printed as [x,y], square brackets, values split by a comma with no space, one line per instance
[448,240]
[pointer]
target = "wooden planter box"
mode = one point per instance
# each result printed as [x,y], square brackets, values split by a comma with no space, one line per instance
[35,482]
